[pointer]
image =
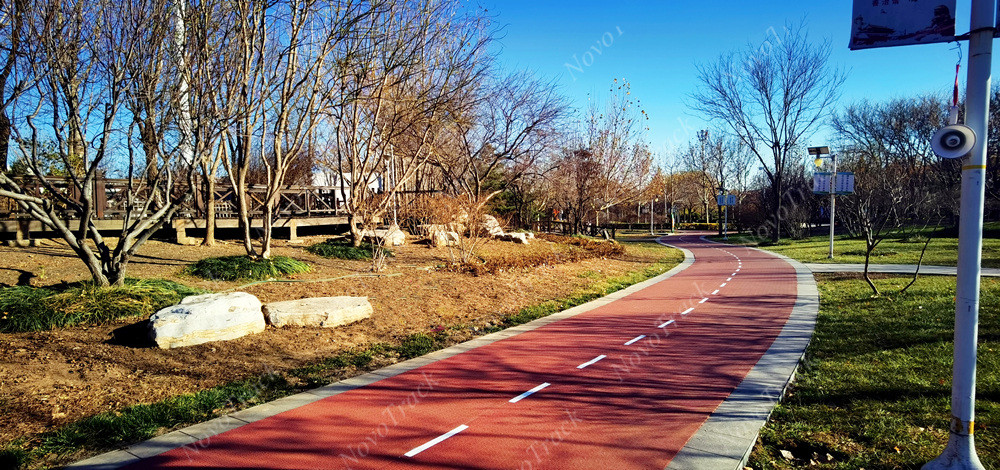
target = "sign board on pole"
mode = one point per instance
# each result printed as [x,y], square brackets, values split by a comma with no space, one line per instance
[885,23]
[725,200]
[845,182]
[821,182]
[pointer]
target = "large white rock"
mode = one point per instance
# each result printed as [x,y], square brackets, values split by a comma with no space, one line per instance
[391,237]
[492,226]
[209,317]
[326,312]
[519,237]
[445,239]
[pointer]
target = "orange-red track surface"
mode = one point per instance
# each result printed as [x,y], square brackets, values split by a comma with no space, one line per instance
[635,407]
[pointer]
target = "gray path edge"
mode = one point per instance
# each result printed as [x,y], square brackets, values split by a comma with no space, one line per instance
[727,438]
[188,437]
[893,269]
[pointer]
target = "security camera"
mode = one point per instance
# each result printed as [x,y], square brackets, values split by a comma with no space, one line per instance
[954,141]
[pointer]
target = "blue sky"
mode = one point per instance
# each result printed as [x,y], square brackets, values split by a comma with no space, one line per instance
[656,44]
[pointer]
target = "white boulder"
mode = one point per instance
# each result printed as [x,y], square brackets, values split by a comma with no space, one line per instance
[445,239]
[208,317]
[492,226]
[391,237]
[519,237]
[326,312]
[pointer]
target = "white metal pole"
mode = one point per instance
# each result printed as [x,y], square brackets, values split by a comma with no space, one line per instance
[833,200]
[651,217]
[725,220]
[960,452]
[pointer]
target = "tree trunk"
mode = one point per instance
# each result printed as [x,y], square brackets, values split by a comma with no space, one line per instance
[352,224]
[209,211]
[868,255]
[267,229]
[242,199]
[920,262]
[4,141]
[776,236]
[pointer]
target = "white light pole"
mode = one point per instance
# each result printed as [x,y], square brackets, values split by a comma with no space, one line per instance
[651,201]
[724,204]
[819,152]
[961,450]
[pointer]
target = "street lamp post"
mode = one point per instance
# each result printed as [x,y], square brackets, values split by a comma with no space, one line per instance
[819,152]
[724,205]
[651,201]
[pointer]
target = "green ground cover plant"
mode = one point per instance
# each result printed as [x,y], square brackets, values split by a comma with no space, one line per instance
[874,389]
[236,268]
[26,308]
[341,248]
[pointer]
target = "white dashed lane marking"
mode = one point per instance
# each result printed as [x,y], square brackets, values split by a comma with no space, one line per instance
[637,338]
[585,364]
[528,393]
[664,324]
[435,441]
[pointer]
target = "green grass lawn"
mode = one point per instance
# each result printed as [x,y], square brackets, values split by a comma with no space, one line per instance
[942,251]
[874,389]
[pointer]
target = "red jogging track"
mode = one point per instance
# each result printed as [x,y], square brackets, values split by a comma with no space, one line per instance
[634,407]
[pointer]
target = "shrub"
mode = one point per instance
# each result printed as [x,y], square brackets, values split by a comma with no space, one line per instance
[235,268]
[697,226]
[26,308]
[417,345]
[342,249]
[501,262]
[598,248]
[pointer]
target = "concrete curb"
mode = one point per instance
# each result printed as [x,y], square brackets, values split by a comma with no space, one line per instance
[925,270]
[728,437]
[191,434]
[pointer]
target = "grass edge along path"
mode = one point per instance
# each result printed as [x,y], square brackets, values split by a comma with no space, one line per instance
[113,430]
[874,388]
[942,250]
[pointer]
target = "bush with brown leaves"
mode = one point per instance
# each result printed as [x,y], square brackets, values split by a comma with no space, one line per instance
[509,261]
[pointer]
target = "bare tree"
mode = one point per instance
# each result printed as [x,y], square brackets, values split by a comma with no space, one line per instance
[615,138]
[511,123]
[574,182]
[723,162]
[282,57]
[772,97]
[88,63]
[15,73]
[703,158]
[898,180]
[391,90]
[208,48]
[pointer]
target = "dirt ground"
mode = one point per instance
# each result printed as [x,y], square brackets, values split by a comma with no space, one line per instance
[48,379]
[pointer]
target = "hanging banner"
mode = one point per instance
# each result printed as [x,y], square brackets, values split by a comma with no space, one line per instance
[886,23]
